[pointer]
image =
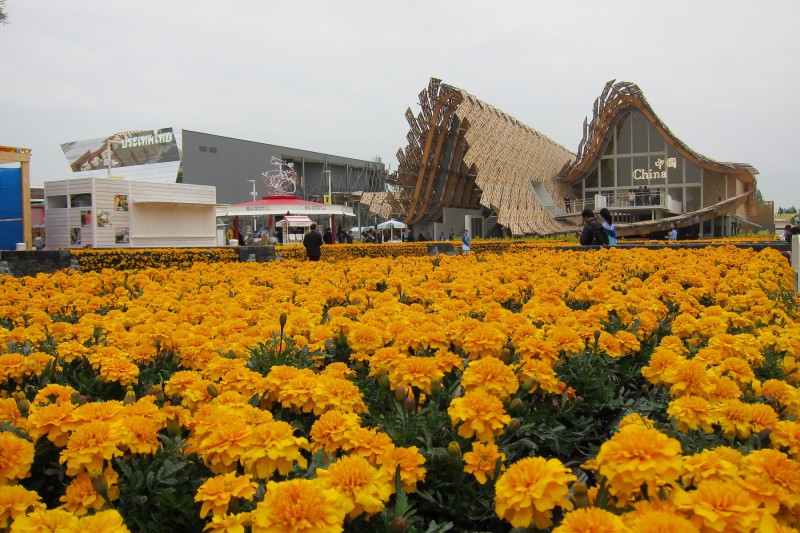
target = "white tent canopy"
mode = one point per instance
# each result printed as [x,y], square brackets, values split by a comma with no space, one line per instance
[391,224]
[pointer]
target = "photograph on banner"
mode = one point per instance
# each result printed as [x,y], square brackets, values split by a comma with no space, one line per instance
[120,202]
[74,236]
[103,219]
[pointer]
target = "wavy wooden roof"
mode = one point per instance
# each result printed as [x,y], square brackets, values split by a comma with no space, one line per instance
[617,98]
[465,153]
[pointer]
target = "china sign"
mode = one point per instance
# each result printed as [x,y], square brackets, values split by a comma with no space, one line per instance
[650,174]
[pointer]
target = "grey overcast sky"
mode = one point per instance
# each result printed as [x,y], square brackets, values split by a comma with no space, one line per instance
[337,76]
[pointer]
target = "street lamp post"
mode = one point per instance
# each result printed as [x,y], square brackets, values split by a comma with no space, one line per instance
[254,194]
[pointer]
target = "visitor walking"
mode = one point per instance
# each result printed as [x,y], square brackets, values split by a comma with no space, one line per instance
[466,244]
[608,225]
[313,243]
[593,232]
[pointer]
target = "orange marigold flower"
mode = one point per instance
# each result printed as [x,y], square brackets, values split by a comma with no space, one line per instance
[366,487]
[330,431]
[229,523]
[638,456]
[661,368]
[591,520]
[530,489]
[217,492]
[543,376]
[16,458]
[365,338]
[773,479]
[410,462]
[691,377]
[720,464]
[490,375]
[482,340]
[721,507]
[272,447]
[691,412]
[448,360]
[90,445]
[786,434]
[55,420]
[81,497]
[225,445]
[481,415]
[299,506]
[657,521]
[143,434]
[369,443]
[43,520]
[16,500]
[417,372]
[338,393]
[734,416]
[481,462]
[565,340]
[103,522]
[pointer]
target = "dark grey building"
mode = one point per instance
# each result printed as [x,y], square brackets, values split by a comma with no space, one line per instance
[229,164]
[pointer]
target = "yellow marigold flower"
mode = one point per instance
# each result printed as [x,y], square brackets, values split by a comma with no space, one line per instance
[543,375]
[482,340]
[143,434]
[313,509]
[772,478]
[410,462]
[786,395]
[299,392]
[109,411]
[90,445]
[628,342]
[663,364]
[481,462]
[365,338]
[229,523]
[720,507]
[53,393]
[338,370]
[43,520]
[734,416]
[225,445]
[14,367]
[638,456]
[103,522]
[337,393]
[120,370]
[635,418]
[657,521]
[591,520]
[762,417]
[81,497]
[366,487]
[530,489]
[691,377]
[330,431]
[369,443]
[217,492]
[684,325]
[416,372]
[9,412]
[16,500]
[384,359]
[16,458]
[448,360]
[481,415]
[719,464]
[272,447]
[786,434]
[565,340]
[691,412]
[490,375]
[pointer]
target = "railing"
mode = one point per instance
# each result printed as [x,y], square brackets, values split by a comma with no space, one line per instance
[655,199]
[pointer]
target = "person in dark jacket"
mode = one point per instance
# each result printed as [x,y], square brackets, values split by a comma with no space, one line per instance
[327,238]
[593,232]
[313,243]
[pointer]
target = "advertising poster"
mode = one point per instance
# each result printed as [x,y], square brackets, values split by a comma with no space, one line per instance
[130,148]
[86,218]
[103,219]
[74,235]
[120,202]
[122,235]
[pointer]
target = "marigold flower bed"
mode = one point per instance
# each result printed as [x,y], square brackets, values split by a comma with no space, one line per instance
[620,390]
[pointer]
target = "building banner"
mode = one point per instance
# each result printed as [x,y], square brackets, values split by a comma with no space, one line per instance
[126,149]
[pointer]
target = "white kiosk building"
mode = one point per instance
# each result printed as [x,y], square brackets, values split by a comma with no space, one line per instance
[118,213]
